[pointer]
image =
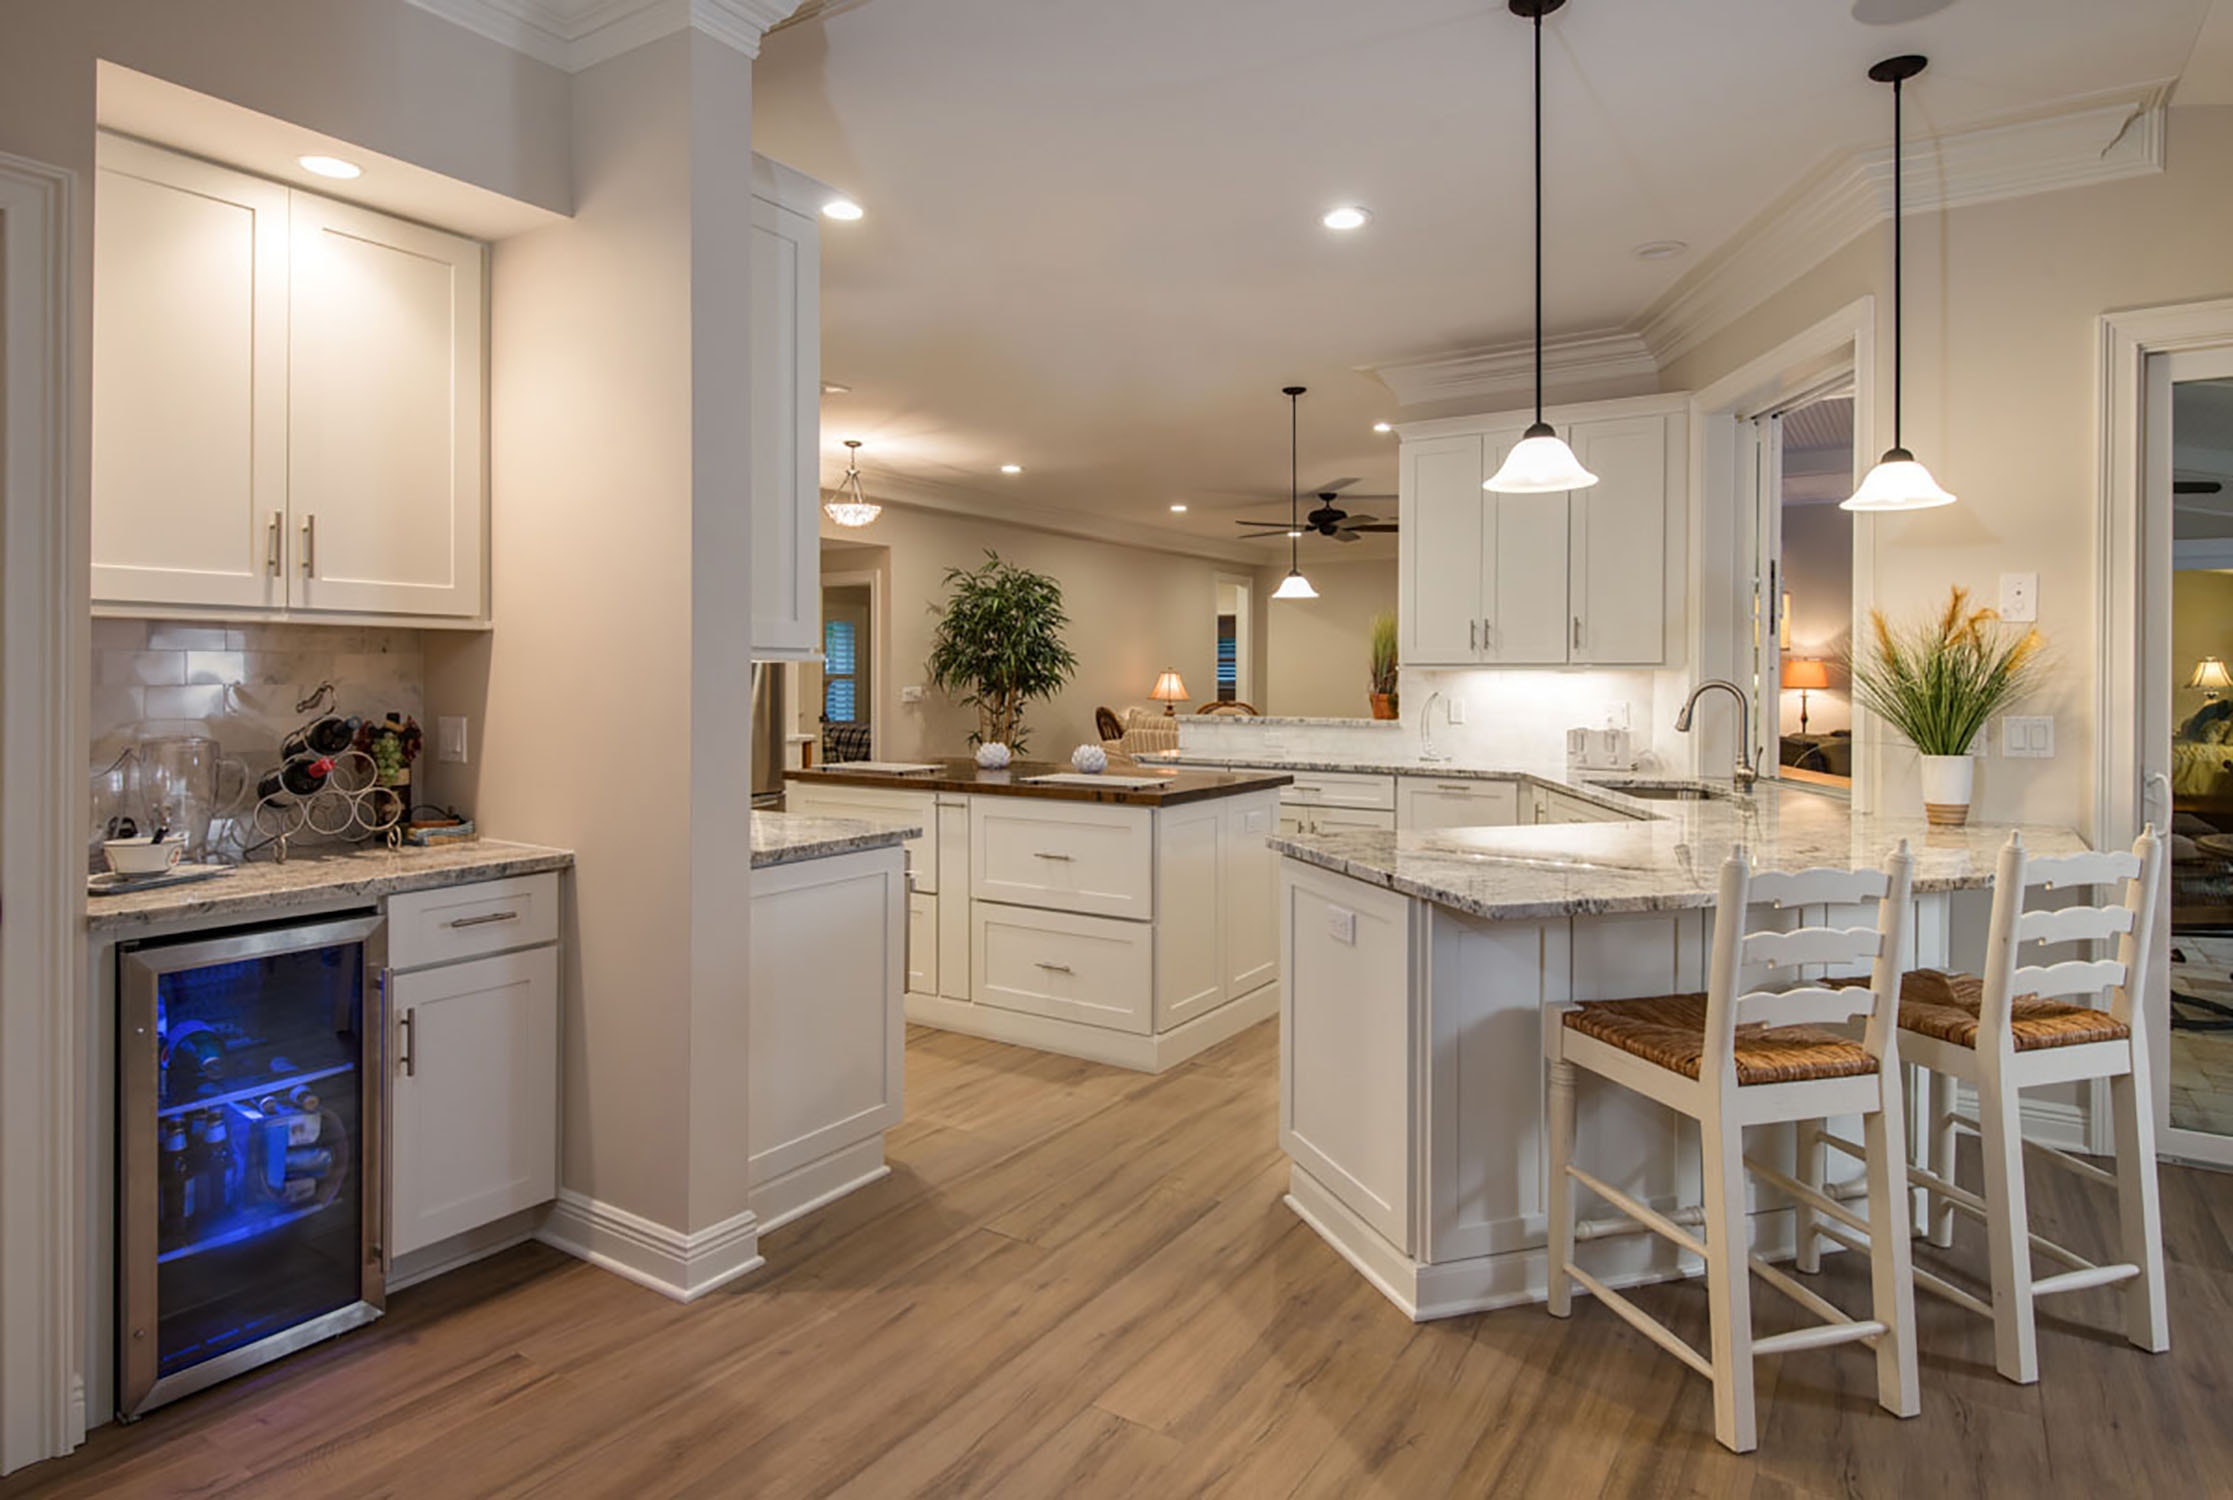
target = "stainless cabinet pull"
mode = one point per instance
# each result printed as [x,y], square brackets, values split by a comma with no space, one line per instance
[1049,854]
[1055,968]
[1473,634]
[483,920]
[1577,630]
[1446,786]
[309,546]
[271,543]
[410,1027]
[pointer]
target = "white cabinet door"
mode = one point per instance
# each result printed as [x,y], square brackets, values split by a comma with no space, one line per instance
[385,455]
[1093,970]
[1441,595]
[1248,894]
[786,433]
[1618,542]
[922,944]
[475,1094]
[1527,568]
[1351,820]
[1423,802]
[189,382]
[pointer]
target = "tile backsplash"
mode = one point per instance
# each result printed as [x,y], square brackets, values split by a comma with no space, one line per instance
[239,684]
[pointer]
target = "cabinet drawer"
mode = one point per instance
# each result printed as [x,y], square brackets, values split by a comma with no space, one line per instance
[1426,802]
[1072,968]
[882,805]
[1341,789]
[1065,856]
[466,921]
[1350,819]
[922,944]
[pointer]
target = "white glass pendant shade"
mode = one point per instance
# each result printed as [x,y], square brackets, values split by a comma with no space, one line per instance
[1898,482]
[1540,464]
[1294,586]
[846,505]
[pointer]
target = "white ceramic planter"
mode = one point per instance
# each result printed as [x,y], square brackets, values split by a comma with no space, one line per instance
[1947,783]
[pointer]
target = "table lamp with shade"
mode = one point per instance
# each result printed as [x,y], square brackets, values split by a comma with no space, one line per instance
[1169,688]
[2211,677]
[1805,674]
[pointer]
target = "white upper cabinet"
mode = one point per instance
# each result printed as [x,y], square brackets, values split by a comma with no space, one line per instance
[1588,578]
[384,447]
[288,398]
[189,381]
[786,413]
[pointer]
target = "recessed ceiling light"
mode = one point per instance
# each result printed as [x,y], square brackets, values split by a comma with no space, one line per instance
[833,388]
[1294,533]
[1895,12]
[841,208]
[1383,427]
[1178,510]
[1661,249]
[330,166]
[1011,468]
[1347,217]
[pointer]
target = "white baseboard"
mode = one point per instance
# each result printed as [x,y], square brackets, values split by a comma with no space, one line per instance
[2051,1122]
[802,1190]
[669,1261]
[1121,1049]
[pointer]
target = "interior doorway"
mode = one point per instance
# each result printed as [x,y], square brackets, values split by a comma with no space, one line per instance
[1235,639]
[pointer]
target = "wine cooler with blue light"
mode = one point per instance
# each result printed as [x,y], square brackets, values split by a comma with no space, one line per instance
[248,1139]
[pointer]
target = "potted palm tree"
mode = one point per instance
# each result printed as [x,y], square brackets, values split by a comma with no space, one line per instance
[998,645]
[1938,682]
[1383,646]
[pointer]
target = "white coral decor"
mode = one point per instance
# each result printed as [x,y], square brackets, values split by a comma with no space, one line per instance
[1091,759]
[993,756]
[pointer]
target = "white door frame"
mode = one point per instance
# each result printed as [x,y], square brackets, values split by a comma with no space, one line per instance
[1720,613]
[879,709]
[1244,634]
[45,638]
[2132,688]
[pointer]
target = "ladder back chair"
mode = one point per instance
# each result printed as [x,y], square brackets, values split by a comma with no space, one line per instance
[1738,1056]
[2021,1026]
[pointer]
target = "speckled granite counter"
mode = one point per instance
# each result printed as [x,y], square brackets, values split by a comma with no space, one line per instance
[263,888]
[1668,861]
[787,838]
[1179,785]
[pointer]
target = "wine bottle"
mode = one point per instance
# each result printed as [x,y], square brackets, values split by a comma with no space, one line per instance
[219,1171]
[179,1196]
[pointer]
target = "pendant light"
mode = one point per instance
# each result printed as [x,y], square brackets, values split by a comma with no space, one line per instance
[1294,585]
[1540,463]
[847,505]
[1897,482]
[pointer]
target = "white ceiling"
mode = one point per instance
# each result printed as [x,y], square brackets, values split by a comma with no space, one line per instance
[1092,243]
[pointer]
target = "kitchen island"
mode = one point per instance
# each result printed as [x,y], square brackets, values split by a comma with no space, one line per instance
[1122,918]
[1420,968]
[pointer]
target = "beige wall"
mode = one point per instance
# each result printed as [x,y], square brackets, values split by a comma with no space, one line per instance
[1818,574]
[1317,662]
[1132,612]
[2201,625]
[2002,306]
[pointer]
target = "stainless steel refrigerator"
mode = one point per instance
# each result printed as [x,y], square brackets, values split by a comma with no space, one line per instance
[767,730]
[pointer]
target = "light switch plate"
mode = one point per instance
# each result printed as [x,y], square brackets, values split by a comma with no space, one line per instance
[1454,709]
[2027,737]
[1341,925]
[449,735]
[910,695]
[2019,598]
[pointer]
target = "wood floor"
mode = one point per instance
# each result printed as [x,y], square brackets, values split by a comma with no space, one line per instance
[1081,1282]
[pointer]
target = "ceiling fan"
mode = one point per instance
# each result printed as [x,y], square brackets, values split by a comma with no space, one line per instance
[2196,486]
[1329,519]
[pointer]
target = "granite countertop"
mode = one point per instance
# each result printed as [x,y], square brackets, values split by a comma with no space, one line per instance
[788,838]
[1179,784]
[1604,787]
[1670,861]
[266,888]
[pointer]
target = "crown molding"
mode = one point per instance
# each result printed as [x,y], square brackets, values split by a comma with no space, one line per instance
[1509,369]
[2086,141]
[578,34]
[954,500]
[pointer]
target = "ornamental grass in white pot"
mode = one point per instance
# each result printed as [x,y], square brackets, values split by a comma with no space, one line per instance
[1938,682]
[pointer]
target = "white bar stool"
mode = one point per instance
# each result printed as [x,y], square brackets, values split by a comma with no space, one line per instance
[1734,1057]
[2015,1029]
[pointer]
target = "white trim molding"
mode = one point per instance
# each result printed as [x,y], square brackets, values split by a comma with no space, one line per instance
[578,34]
[914,493]
[682,1266]
[45,630]
[2093,139]
[1508,370]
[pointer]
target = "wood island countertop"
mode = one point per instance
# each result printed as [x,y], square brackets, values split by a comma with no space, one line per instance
[958,775]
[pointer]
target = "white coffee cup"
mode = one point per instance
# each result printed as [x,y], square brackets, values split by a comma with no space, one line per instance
[142,856]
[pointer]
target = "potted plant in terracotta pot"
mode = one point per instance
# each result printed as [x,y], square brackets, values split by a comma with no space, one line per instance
[1938,682]
[998,645]
[1383,647]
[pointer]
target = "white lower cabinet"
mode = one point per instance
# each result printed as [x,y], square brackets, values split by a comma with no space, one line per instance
[922,944]
[1461,802]
[474,1095]
[1095,970]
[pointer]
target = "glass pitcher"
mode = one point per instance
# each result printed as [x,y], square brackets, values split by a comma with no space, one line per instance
[184,779]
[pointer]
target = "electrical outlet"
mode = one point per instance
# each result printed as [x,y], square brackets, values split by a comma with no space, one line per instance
[2019,598]
[1454,710]
[1341,925]
[2027,737]
[910,695]
[449,736]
